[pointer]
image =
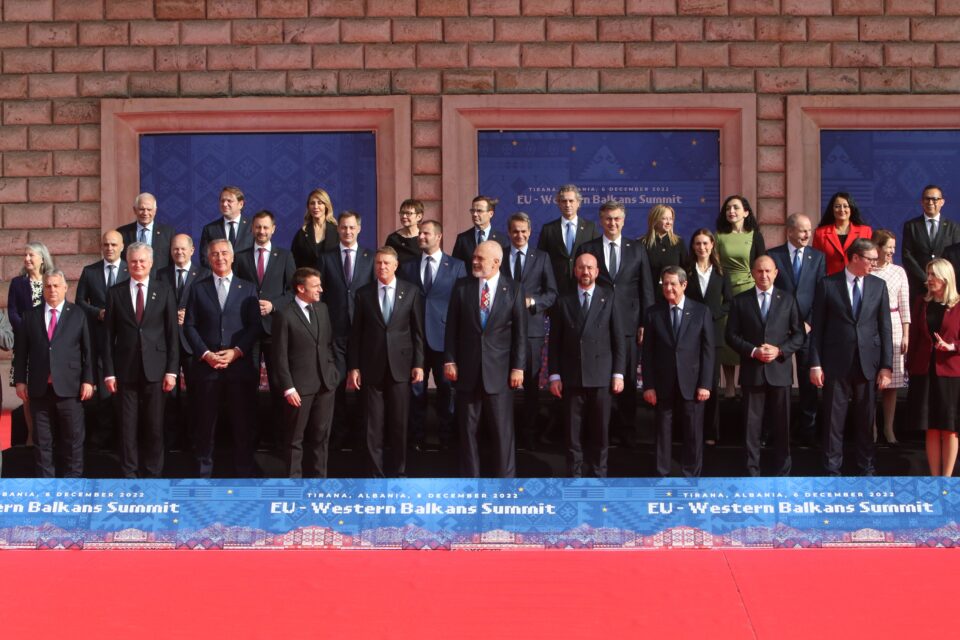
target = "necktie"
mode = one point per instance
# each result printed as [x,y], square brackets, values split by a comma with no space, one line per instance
[518,266]
[347,266]
[308,310]
[676,321]
[479,236]
[484,305]
[53,324]
[857,298]
[612,263]
[385,306]
[796,265]
[112,278]
[222,292]
[569,236]
[585,307]
[139,302]
[428,275]
[181,276]
[764,305]
[260,266]
[233,233]
[142,236]
[933,229]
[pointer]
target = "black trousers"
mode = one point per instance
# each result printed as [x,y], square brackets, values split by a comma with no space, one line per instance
[141,427]
[231,403]
[625,404]
[60,418]
[689,414]
[386,410]
[806,424]
[528,421]
[496,410]
[840,394]
[444,402]
[768,405]
[586,415]
[307,434]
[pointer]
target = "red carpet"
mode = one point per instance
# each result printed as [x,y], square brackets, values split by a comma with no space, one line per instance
[516,594]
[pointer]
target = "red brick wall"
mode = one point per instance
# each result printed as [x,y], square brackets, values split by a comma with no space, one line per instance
[60,57]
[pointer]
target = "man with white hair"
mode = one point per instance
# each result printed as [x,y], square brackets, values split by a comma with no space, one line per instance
[148,231]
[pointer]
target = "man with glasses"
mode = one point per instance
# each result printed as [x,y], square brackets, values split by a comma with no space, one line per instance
[927,237]
[851,353]
[481,212]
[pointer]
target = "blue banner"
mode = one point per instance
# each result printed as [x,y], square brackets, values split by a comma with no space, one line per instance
[275,171]
[639,168]
[623,513]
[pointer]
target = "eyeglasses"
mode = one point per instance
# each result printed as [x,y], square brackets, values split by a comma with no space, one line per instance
[870,260]
[928,199]
[478,210]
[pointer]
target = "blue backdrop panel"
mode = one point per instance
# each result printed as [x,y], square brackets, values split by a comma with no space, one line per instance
[640,168]
[885,171]
[620,513]
[276,171]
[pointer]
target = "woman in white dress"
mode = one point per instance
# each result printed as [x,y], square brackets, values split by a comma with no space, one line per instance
[899,293]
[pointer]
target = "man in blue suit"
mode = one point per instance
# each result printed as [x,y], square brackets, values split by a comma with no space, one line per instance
[799,268]
[222,325]
[851,352]
[435,273]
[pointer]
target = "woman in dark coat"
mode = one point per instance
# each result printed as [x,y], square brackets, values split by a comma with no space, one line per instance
[664,247]
[318,233]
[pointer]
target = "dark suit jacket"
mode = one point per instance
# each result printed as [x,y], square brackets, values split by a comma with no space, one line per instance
[633,287]
[717,297]
[812,271]
[306,252]
[467,241]
[783,328]
[485,355]
[339,294]
[277,285]
[551,241]
[303,351]
[837,337]
[67,360]
[377,346]
[952,254]
[150,346]
[92,297]
[19,300]
[586,352]
[686,360]
[208,328]
[162,237]
[214,231]
[436,302]
[169,275]
[917,250]
[826,240]
[538,283]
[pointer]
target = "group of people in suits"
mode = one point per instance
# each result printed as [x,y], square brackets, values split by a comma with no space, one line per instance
[329,316]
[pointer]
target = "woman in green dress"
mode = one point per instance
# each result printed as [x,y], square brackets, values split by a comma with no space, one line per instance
[739,243]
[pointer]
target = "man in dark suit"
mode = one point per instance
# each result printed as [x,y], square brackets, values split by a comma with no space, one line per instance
[532,269]
[486,345]
[851,352]
[587,356]
[147,230]
[271,269]
[926,237]
[141,361]
[481,212]
[180,274]
[764,327]
[231,226]
[625,268]
[561,238]
[306,372]
[384,357]
[53,367]
[678,353]
[343,272]
[799,268]
[435,273]
[95,280]
[222,324]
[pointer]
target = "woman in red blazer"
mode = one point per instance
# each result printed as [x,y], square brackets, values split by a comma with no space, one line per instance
[933,363]
[840,225]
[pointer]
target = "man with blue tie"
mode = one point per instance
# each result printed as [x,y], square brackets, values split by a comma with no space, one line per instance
[481,212]
[561,238]
[851,353]
[800,268]
[148,231]
[436,273]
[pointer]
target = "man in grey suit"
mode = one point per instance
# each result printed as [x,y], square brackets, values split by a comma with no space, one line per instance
[384,357]
[587,358]
[799,268]
[851,352]
[531,268]
[926,237]
[486,345]
[764,328]
[306,372]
